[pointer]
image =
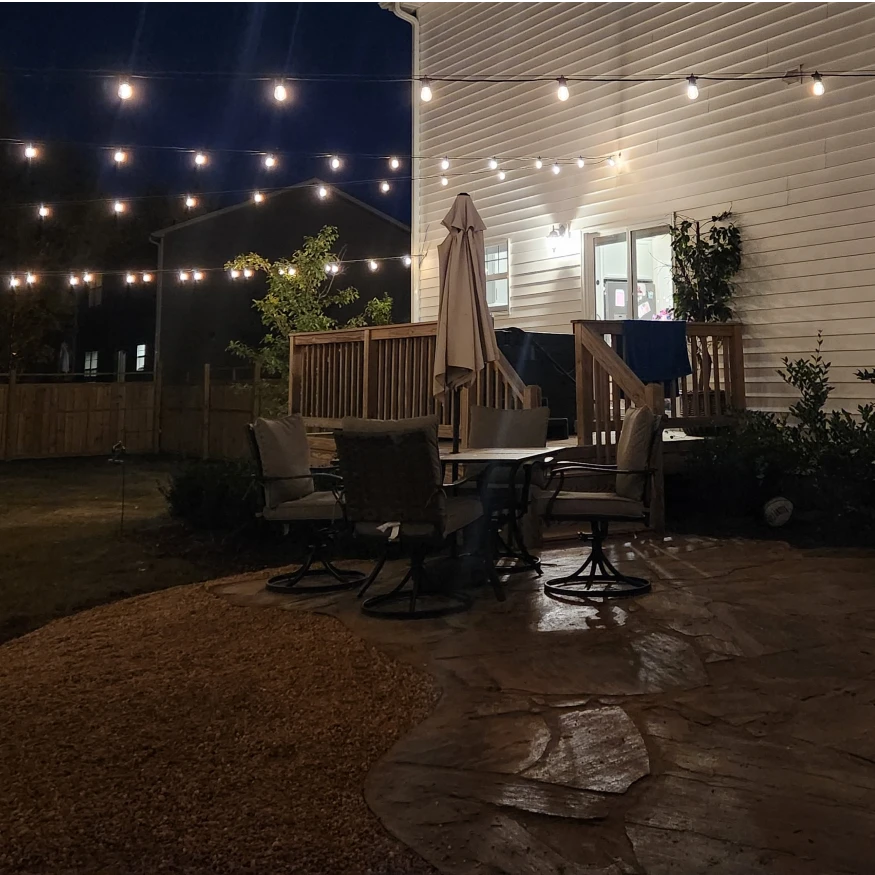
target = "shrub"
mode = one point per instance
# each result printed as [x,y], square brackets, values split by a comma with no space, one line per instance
[212,494]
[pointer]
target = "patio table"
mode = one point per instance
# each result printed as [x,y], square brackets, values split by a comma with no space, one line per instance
[513,458]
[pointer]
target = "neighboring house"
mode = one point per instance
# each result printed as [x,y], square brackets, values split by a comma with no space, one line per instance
[798,171]
[197,321]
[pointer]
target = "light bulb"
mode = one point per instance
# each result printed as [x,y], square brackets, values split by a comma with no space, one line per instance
[197,276]
[282,271]
[247,273]
[331,267]
[258,197]
[372,265]
[692,88]
[183,276]
[44,211]
[384,187]
[87,277]
[445,181]
[30,279]
[562,90]
[200,159]
[30,151]
[292,271]
[335,162]
[74,280]
[394,163]
[493,164]
[280,93]
[407,261]
[190,202]
[147,277]
[581,161]
[817,87]
[120,156]
[130,279]
[269,161]
[556,168]
[14,281]
[118,207]
[322,191]
[235,274]
[445,164]
[502,175]
[125,90]
[425,92]
[538,163]
[611,161]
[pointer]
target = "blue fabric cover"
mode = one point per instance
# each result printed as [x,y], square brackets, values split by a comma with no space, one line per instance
[656,351]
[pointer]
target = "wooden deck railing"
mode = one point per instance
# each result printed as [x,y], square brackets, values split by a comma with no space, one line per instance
[606,386]
[385,372]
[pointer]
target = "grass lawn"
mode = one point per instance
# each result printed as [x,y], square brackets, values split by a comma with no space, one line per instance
[62,547]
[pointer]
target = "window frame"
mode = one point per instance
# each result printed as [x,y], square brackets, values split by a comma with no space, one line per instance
[89,368]
[505,242]
[140,359]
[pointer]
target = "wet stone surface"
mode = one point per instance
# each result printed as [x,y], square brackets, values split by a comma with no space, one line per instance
[724,723]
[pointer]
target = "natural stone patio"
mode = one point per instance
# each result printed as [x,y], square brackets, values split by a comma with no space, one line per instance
[724,723]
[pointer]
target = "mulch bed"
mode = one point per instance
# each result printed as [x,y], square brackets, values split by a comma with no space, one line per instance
[176,733]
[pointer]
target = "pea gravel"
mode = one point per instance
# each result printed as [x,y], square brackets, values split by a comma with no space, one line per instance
[176,733]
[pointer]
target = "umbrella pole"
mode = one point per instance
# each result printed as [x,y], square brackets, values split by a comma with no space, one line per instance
[457,427]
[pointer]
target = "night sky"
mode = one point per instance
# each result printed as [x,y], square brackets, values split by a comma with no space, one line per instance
[228,112]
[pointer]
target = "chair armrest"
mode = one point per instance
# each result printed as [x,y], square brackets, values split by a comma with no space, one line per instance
[570,467]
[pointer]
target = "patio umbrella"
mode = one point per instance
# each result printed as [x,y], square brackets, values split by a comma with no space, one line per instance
[465,335]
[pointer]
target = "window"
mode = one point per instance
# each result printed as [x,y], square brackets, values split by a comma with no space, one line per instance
[646,254]
[95,291]
[141,356]
[91,363]
[497,281]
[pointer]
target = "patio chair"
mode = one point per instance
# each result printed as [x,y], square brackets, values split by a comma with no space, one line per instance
[289,497]
[394,494]
[629,502]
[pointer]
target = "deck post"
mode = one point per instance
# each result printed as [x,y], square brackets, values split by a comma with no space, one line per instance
[532,397]
[585,423]
[738,395]
[654,394]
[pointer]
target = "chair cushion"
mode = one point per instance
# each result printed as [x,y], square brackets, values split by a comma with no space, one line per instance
[461,512]
[591,504]
[633,451]
[315,506]
[284,452]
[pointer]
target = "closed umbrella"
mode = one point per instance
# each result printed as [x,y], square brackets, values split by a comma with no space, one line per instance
[465,336]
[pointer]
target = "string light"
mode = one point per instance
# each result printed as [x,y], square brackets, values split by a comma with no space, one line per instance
[235,274]
[247,273]
[692,88]
[581,161]
[445,181]
[425,91]
[14,282]
[502,175]
[120,156]
[200,159]
[373,266]
[334,163]
[197,276]
[190,202]
[817,86]
[394,163]
[87,277]
[30,151]
[322,191]
[538,163]
[384,187]
[332,267]
[130,279]
[183,276]
[74,280]
[258,197]
[292,271]
[562,90]
[279,92]
[30,278]
[44,212]
[147,277]
[119,207]
[556,168]
[612,162]
[125,90]
[407,261]
[445,164]
[269,161]
[493,164]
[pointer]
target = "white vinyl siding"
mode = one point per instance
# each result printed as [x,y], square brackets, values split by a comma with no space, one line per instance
[797,171]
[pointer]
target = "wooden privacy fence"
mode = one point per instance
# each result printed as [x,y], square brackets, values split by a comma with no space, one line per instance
[386,372]
[606,386]
[66,417]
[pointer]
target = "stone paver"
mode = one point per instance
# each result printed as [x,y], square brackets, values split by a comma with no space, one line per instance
[724,723]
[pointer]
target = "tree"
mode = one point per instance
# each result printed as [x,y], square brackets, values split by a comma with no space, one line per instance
[30,326]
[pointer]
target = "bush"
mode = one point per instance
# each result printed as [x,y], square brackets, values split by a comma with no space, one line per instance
[824,462]
[212,494]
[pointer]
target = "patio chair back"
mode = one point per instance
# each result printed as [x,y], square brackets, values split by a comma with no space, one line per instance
[280,449]
[491,427]
[634,450]
[392,472]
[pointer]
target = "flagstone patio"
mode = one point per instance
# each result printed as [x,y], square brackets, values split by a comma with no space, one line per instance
[724,723]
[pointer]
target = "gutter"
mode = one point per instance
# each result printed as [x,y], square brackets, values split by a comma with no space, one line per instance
[398,10]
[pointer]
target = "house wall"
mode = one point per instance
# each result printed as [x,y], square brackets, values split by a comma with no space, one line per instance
[797,171]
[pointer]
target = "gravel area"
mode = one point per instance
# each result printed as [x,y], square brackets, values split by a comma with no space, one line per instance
[173,732]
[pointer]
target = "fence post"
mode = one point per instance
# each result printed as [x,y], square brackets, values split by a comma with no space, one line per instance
[369,375]
[157,385]
[120,396]
[205,450]
[738,394]
[11,429]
